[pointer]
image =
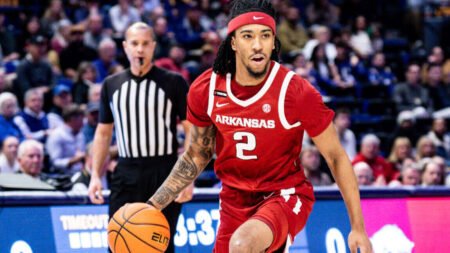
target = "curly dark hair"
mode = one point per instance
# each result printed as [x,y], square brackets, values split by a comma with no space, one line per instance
[226,59]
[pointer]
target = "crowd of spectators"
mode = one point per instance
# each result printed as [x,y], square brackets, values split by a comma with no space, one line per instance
[390,89]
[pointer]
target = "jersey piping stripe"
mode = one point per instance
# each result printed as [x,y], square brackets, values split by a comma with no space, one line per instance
[283,91]
[264,89]
[212,87]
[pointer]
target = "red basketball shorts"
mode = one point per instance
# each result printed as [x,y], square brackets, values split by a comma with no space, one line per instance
[285,212]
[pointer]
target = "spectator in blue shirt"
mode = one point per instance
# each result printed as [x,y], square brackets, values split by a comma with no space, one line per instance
[379,73]
[107,52]
[32,120]
[8,109]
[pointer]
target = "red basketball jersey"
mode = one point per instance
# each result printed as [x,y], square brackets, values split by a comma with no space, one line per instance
[259,129]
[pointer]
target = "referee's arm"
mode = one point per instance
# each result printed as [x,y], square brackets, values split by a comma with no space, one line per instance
[100,149]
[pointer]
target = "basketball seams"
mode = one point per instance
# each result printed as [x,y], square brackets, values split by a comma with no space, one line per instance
[151,224]
[137,237]
[123,239]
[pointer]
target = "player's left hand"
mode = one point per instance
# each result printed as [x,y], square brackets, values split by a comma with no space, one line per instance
[186,194]
[359,240]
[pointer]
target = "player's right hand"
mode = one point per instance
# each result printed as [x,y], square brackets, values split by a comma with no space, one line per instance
[95,191]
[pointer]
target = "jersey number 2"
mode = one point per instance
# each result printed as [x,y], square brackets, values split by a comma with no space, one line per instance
[250,145]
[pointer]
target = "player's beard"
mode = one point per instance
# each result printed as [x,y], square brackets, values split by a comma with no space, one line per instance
[259,74]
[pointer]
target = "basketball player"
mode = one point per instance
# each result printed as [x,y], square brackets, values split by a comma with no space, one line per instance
[254,111]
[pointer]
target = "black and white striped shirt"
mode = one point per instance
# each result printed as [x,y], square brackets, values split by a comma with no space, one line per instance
[144,111]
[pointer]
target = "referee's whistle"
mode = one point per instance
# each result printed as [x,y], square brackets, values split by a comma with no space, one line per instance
[141,61]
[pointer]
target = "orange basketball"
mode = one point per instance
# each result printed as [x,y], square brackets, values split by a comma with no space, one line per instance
[135,228]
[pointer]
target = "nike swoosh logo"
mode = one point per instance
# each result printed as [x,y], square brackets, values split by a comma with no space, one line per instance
[257,18]
[268,196]
[221,105]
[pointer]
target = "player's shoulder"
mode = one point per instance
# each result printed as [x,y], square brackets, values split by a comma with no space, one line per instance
[202,81]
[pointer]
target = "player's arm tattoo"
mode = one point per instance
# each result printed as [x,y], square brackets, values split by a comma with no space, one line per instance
[188,166]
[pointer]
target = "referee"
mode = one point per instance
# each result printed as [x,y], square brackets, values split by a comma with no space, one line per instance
[143,103]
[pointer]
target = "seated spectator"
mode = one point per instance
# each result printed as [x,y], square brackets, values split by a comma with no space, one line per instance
[431,174]
[107,53]
[440,161]
[86,76]
[175,62]
[94,93]
[65,145]
[346,136]
[122,15]
[194,26]
[351,70]
[425,148]
[440,137]
[61,99]
[31,158]
[409,175]
[310,160]
[406,127]
[364,174]
[401,150]
[164,38]
[360,39]
[322,12]
[60,39]
[54,13]
[91,121]
[76,52]
[322,37]
[32,120]
[412,95]
[370,153]
[34,71]
[82,178]
[291,32]
[8,156]
[207,58]
[8,109]
[379,73]
[8,45]
[325,73]
[95,32]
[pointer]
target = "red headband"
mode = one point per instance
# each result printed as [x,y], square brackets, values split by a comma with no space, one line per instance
[255,17]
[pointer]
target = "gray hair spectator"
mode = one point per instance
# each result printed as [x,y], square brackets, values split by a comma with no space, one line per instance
[8,156]
[31,157]
[409,175]
[431,174]
[364,175]
[32,120]
[370,153]
[8,104]
[8,109]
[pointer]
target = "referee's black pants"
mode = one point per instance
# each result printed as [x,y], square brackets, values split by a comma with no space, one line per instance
[136,180]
